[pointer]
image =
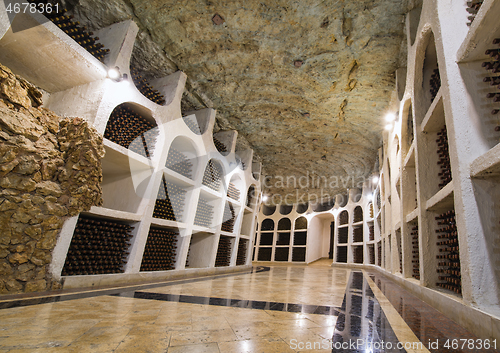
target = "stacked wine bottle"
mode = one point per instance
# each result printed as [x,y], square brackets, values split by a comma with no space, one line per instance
[192,124]
[357,252]
[169,202]
[144,87]
[97,247]
[212,176]
[415,253]
[229,218]
[493,68]
[241,256]
[233,192]
[379,252]
[444,157]
[179,163]
[435,84]
[371,234]
[343,233]
[371,210]
[379,201]
[344,218]
[299,254]
[358,234]
[204,213]
[223,257]
[220,146]
[281,254]
[472,9]
[160,250]
[342,254]
[371,254]
[80,34]
[130,130]
[251,197]
[358,214]
[449,254]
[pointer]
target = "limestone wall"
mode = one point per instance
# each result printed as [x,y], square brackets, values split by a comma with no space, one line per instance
[50,169]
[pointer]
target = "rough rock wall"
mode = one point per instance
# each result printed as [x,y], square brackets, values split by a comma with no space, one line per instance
[50,169]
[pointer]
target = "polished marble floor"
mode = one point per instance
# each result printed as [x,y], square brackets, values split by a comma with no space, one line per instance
[313,308]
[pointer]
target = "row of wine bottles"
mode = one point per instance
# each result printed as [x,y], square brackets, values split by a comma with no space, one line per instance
[223,257]
[357,252]
[379,252]
[299,254]
[97,247]
[371,254]
[170,202]
[204,213]
[343,218]
[160,251]
[281,254]
[371,234]
[358,234]
[358,214]
[144,87]
[179,163]
[343,235]
[213,175]
[494,68]
[241,256]
[473,7]
[444,157]
[415,253]
[229,218]
[435,84]
[220,146]
[233,192]
[73,29]
[449,254]
[131,130]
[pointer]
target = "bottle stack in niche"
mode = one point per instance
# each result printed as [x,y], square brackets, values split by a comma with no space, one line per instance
[493,67]
[444,157]
[358,234]
[130,130]
[371,254]
[223,252]
[371,233]
[179,163]
[212,176]
[415,253]
[449,254]
[473,7]
[97,247]
[72,28]
[435,84]
[233,192]
[379,252]
[229,217]
[169,202]
[204,213]
[241,256]
[160,250]
[220,146]
[144,87]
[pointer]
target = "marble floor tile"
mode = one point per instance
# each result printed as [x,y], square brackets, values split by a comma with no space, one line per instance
[255,346]
[197,348]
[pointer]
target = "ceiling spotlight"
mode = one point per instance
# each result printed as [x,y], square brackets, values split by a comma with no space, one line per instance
[388,127]
[390,117]
[375,179]
[114,73]
[264,198]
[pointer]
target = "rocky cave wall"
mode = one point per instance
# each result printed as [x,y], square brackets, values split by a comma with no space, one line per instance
[50,170]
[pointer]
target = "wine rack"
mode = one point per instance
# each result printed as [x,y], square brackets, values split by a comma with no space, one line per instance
[301,223]
[266,238]
[223,257]
[229,218]
[160,250]
[204,213]
[342,254]
[371,254]
[267,224]
[281,254]
[371,233]
[435,84]
[444,158]
[179,163]
[299,254]
[379,252]
[73,29]
[472,9]
[144,87]
[283,239]
[449,254]
[241,256]
[370,207]
[220,146]
[264,254]
[358,234]
[379,201]
[251,196]
[358,214]
[343,235]
[357,252]
[343,218]
[494,68]
[300,238]
[233,192]
[97,247]
[415,253]
[212,176]
[130,130]
[169,202]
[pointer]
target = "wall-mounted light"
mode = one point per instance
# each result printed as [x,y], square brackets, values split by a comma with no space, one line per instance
[264,198]
[375,179]
[388,127]
[390,117]
[115,74]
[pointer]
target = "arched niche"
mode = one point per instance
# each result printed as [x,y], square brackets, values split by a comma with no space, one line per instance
[267,225]
[301,223]
[343,217]
[268,210]
[407,133]
[284,224]
[370,209]
[414,20]
[358,214]
[198,121]
[146,89]
[236,185]
[132,126]
[302,207]
[323,206]
[251,196]
[213,175]
[286,209]
[182,157]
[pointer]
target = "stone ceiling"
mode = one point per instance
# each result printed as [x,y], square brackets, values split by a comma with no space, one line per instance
[303,82]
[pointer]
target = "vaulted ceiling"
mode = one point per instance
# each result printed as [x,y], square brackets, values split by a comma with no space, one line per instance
[304,83]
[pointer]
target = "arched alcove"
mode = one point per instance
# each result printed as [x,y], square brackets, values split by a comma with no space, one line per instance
[407,133]
[197,121]
[286,209]
[323,206]
[302,207]
[235,186]
[267,225]
[213,175]
[301,223]
[145,87]
[284,224]
[182,157]
[358,214]
[343,217]
[132,126]
[251,196]
[268,210]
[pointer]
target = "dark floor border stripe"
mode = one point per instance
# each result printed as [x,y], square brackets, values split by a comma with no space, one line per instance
[65,297]
[235,303]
